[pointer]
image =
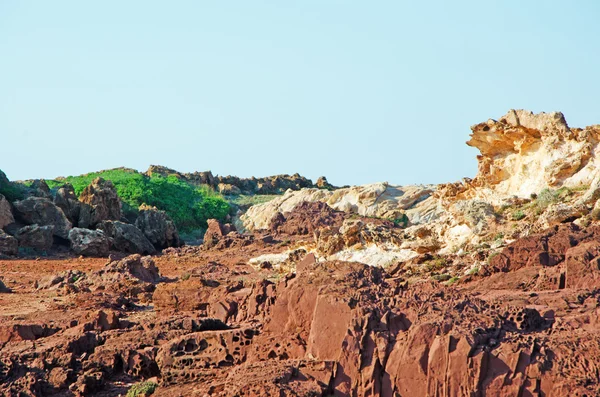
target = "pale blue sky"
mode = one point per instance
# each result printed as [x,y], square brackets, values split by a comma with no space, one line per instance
[359,91]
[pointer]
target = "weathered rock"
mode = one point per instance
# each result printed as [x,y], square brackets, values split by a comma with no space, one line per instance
[323,184]
[560,213]
[89,242]
[228,190]
[8,244]
[524,153]
[126,237]
[215,232]
[158,227]
[101,203]
[67,201]
[140,267]
[6,216]
[36,237]
[379,200]
[476,214]
[195,178]
[43,212]
[35,188]
[306,218]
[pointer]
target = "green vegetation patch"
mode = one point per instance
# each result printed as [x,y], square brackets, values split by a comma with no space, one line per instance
[189,206]
[248,201]
[142,389]
[10,190]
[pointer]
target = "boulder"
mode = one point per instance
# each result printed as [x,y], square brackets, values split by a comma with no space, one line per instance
[142,268]
[228,189]
[89,242]
[127,238]
[322,183]
[35,188]
[101,203]
[158,227]
[6,216]
[216,231]
[8,244]
[36,237]
[43,212]
[66,200]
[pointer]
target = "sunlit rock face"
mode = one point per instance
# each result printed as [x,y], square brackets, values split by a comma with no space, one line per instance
[523,153]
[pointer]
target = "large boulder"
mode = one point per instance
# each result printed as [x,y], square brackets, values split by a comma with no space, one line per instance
[6,216]
[158,227]
[36,237]
[127,238]
[101,203]
[88,242]
[43,212]
[8,244]
[66,200]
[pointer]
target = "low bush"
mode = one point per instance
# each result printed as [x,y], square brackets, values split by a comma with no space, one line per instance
[518,215]
[142,389]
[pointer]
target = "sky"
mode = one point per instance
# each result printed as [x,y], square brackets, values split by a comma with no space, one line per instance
[358,91]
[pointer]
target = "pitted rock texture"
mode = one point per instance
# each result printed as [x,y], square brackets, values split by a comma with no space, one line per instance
[329,328]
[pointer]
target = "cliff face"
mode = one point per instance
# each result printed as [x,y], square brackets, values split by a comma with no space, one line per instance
[524,153]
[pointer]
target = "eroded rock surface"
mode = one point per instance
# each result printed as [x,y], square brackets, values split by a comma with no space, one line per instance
[158,227]
[43,212]
[100,203]
[126,237]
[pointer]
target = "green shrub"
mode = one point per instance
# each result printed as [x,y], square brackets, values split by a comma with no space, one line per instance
[402,221]
[142,389]
[189,206]
[518,215]
[10,190]
[248,201]
[436,264]
[551,196]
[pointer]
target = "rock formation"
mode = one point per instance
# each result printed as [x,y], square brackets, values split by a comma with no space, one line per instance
[485,287]
[127,238]
[89,242]
[523,153]
[100,203]
[233,185]
[6,216]
[158,227]
[36,237]
[43,212]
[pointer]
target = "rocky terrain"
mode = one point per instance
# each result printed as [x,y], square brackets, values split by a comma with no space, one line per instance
[484,287]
